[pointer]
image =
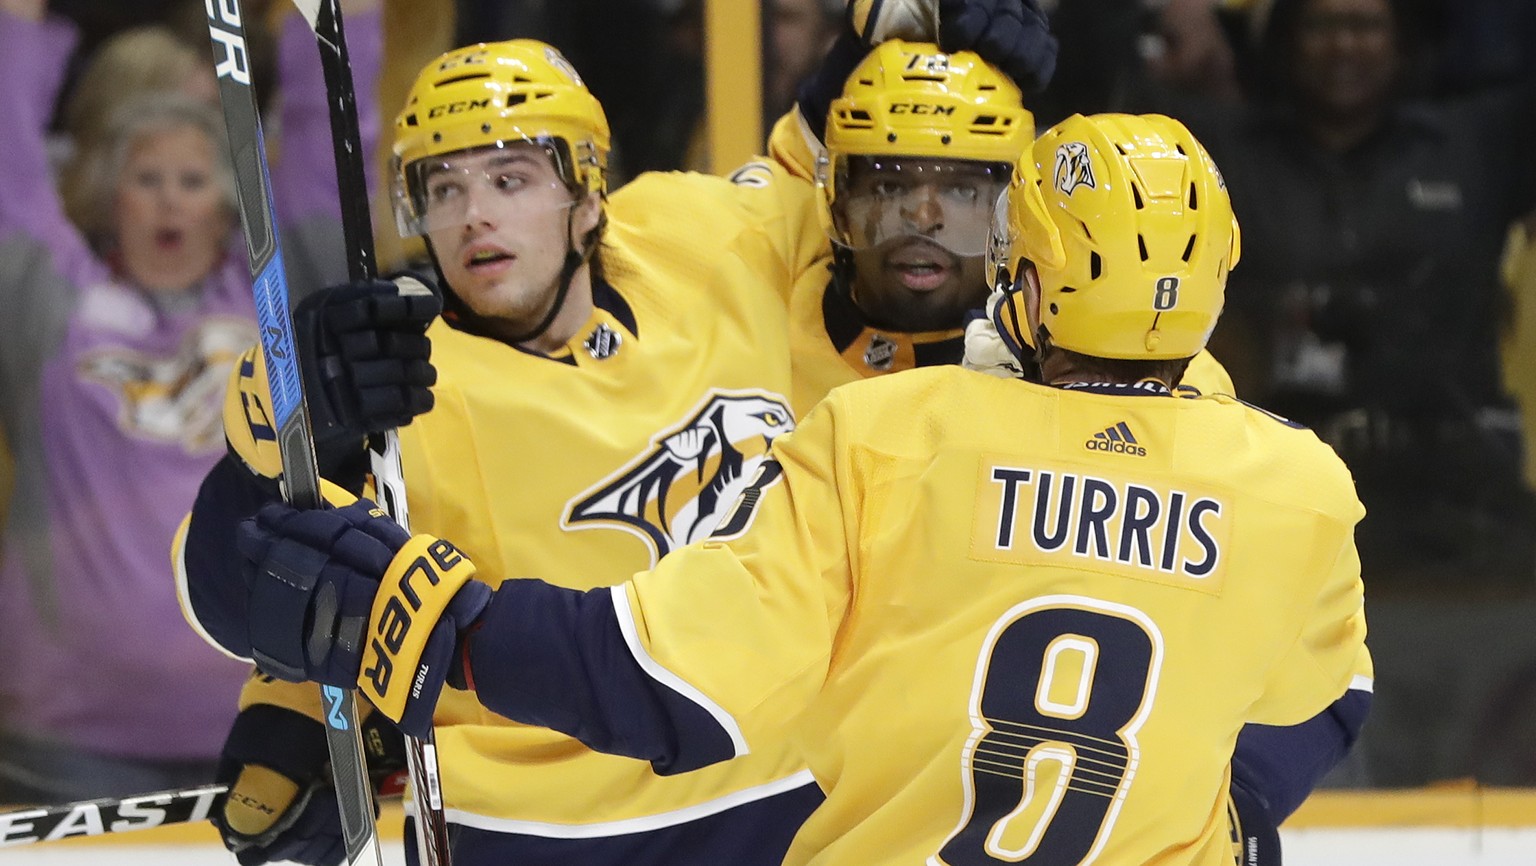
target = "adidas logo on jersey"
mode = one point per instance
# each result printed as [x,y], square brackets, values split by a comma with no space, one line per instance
[1116,439]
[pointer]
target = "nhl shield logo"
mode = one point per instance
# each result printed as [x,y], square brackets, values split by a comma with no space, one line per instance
[680,488]
[603,343]
[1073,167]
[880,354]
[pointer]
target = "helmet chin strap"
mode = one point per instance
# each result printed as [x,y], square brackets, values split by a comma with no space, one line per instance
[843,271]
[1011,322]
[574,259]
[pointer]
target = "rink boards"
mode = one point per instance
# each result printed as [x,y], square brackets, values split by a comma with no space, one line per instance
[1453,826]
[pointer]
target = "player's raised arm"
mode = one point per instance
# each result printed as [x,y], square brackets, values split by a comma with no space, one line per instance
[1012,35]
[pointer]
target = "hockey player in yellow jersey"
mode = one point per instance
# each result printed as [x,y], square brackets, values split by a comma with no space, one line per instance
[503,422]
[1005,621]
[909,108]
[607,384]
[918,143]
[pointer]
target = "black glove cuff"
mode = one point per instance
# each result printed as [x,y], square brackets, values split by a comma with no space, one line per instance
[271,736]
[1255,833]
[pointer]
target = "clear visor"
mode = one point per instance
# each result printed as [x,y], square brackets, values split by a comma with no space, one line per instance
[503,179]
[946,201]
[1000,246]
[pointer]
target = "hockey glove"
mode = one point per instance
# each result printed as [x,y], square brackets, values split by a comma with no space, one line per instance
[875,21]
[987,350]
[281,805]
[1255,835]
[344,597]
[1013,35]
[365,358]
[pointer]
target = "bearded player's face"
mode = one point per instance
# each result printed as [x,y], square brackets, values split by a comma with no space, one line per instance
[917,229]
[500,221]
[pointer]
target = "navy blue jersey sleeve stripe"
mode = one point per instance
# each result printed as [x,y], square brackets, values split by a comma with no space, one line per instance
[558,658]
[1282,764]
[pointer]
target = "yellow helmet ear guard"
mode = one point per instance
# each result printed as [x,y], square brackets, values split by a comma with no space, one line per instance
[492,95]
[1023,236]
[1131,231]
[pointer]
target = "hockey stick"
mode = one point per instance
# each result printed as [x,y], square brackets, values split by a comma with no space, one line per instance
[301,476]
[137,812]
[324,17]
[110,815]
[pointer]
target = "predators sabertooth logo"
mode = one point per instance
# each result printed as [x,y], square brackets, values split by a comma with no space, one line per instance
[1073,168]
[173,398]
[677,491]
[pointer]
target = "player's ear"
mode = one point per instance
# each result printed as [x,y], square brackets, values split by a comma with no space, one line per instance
[1031,293]
[589,213]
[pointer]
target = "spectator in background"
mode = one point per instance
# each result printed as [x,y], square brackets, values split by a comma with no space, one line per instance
[1518,346]
[799,34]
[1487,43]
[1367,307]
[118,339]
[664,128]
[1188,52]
[146,58]
[1146,55]
[1098,65]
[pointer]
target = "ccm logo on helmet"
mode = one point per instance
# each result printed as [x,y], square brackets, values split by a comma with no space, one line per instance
[921,108]
[459,107]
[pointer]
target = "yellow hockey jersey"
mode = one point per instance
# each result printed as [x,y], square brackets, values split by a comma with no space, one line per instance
[1003,618]
[595,463]
[591,468]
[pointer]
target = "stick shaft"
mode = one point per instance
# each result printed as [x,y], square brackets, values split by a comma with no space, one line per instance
[325,19]
[301,477]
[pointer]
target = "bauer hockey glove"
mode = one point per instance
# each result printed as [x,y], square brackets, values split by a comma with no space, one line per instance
[365,358]
[345,597]
[281,805]
[1013,35]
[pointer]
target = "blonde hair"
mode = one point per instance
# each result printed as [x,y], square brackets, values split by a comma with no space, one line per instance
[93,174]
[132,62]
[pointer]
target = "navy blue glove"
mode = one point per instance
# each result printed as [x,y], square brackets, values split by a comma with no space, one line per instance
[1255,833]
[1013,35]
[826,81]
[310,580]
[365,358]
[281,805]
[345,597]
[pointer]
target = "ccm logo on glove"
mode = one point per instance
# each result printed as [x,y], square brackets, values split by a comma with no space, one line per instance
[422,580]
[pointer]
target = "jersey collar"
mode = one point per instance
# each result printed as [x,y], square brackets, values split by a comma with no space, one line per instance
[1144,388]
[605,332]
[872,350]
